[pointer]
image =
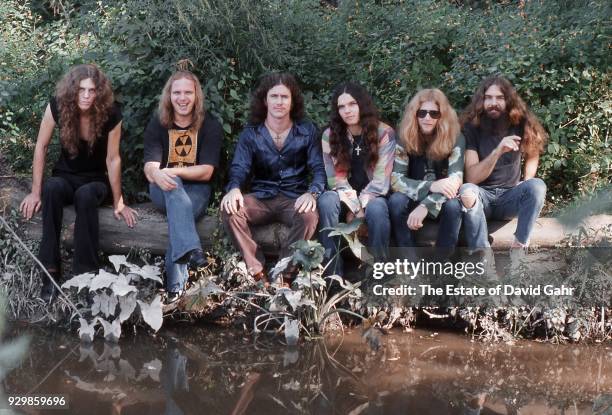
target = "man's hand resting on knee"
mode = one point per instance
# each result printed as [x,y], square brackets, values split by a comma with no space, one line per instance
[305,203]
[232,201]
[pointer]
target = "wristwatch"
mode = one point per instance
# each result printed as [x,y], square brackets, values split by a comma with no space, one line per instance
[315,195]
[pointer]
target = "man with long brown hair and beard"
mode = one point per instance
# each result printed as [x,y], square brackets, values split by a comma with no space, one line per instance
[501,133]
[358,156]
[278,150]
[182,144]
[90,131]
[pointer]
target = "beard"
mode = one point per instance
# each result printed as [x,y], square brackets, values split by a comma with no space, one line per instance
[494,112]
[495,119]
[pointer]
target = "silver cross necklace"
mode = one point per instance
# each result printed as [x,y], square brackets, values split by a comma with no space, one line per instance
[356,148]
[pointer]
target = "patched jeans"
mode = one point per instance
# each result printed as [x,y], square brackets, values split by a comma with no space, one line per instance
[525,201]
[376,218]
[183,206]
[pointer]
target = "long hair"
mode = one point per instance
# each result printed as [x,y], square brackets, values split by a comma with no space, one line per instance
[535,136]
[339,142]
[67,95]
[445,133]
[165,109]
[259,111]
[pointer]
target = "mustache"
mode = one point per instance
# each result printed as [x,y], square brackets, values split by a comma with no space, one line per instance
[493,108]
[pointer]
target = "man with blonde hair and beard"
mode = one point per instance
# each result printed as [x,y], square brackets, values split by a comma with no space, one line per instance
[501,133]
[182,144]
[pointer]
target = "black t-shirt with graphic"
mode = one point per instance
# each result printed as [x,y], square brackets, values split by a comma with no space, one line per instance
[181,147]
[484,139]
[423,168]
[89,162]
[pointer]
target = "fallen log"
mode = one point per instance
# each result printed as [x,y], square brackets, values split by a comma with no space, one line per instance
[151,231]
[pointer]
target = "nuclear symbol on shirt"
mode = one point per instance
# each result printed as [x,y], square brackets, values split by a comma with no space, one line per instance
[182,148]
[183,145]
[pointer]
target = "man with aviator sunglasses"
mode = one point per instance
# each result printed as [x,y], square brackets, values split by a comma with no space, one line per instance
[427,171]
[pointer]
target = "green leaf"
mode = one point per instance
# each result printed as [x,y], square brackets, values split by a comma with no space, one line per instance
[102,280]
[80,281]
[118,260]
[152,313]
[127,304]
[149,272]
[122,287]
[343,229]
[87,331]
[112,331]
[309,254]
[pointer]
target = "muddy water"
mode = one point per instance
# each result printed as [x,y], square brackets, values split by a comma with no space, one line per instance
[203,370]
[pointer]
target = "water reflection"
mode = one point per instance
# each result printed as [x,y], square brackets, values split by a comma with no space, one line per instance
[174,379]
[190,370]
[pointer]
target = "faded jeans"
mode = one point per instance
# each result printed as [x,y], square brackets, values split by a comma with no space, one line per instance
[183,206]
[376,218]
[524,200]
[400,207]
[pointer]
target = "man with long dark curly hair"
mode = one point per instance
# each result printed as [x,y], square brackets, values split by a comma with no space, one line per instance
[501,133]
[89,121]
[277,150]
[358,156]
[182,144]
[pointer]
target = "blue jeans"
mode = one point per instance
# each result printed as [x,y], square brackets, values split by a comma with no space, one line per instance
[376,218]
[524,200]
[183,207]
[400,207]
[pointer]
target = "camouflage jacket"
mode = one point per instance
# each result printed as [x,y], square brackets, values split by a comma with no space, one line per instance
[418,190]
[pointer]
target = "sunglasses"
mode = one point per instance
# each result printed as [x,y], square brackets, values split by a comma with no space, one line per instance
[435,114]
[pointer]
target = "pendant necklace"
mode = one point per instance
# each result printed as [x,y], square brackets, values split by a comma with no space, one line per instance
[356,148]
[280,137]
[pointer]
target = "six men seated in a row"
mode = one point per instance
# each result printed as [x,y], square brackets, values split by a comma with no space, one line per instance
[438,166]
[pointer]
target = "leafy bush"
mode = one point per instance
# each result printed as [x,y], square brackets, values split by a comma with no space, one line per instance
[111,299]
[555,52]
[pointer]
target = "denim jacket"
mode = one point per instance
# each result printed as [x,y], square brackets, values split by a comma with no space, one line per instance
[274,171]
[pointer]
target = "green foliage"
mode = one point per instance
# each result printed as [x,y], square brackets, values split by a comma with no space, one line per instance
[555,52]
[111,299]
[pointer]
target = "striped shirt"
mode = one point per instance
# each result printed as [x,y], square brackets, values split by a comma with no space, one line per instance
[379,174]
